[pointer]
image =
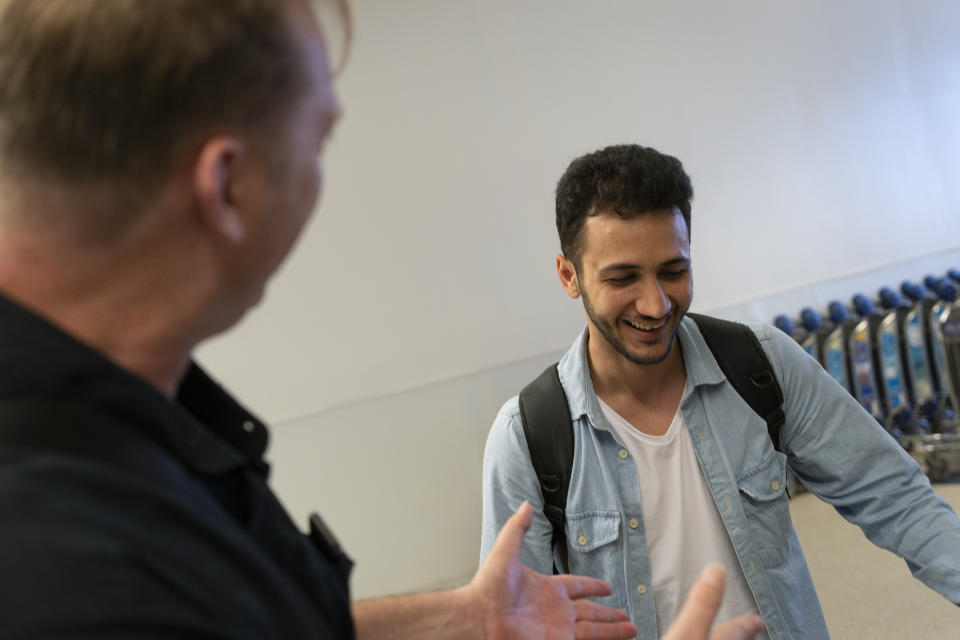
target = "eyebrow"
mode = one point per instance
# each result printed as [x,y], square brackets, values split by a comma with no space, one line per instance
[625,266]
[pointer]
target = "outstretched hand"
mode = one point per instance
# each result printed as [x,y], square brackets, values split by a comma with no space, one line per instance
[521,603]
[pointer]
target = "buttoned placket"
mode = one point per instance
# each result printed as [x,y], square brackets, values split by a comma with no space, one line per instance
[726,496]
[639,594]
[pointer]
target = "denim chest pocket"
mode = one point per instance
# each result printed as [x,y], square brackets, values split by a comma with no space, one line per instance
[594,548]
[766,505]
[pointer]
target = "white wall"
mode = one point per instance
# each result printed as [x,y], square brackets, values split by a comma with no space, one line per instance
[823,139]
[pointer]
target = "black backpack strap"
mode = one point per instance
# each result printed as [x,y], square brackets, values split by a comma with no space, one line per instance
[746,366]
[549,432]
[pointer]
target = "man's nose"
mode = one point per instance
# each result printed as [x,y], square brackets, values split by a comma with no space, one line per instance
[651,301]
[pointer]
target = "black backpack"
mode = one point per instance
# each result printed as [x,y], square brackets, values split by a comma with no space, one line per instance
[549,430]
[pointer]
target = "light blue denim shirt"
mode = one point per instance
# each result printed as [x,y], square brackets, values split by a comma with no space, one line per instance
[836,448]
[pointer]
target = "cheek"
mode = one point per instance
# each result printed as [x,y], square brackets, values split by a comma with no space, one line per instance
[683,292]
[308,190]
[314,184]
[610,302]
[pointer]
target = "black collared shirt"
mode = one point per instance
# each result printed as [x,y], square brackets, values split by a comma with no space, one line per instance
[164,529]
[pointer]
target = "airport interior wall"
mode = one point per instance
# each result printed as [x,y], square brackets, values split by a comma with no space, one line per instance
[823,140]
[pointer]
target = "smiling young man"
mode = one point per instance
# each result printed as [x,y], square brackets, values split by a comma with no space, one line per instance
[671,468]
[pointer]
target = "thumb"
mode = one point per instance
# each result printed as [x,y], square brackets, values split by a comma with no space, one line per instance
[745,627]
[696,616]
[511,535]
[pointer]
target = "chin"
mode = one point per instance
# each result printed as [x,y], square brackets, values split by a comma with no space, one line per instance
[650,358]
[654,355]
[232,309]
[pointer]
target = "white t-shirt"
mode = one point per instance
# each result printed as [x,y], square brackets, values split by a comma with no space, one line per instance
[683,526]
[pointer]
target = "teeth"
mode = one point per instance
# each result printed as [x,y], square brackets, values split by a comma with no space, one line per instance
[644,326]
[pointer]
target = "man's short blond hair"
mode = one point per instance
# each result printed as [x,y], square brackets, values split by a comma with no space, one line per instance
[108,92]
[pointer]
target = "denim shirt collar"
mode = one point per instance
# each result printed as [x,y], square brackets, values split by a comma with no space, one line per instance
[574,370]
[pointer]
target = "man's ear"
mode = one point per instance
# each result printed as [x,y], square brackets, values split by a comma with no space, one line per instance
[568,276]
[218,184]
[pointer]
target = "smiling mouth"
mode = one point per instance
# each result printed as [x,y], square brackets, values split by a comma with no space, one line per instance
[648,325]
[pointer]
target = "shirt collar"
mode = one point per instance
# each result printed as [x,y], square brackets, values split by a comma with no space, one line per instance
[205,427]
[574,370]
[701,366]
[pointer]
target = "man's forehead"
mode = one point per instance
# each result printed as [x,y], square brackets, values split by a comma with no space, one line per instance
[611,212]
[334,19]
[653,237]
[313,47]
[656,221]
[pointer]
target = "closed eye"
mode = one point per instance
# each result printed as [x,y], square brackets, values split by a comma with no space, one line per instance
[673,274]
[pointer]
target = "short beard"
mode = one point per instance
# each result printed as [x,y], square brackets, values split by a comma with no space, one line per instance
[610,336]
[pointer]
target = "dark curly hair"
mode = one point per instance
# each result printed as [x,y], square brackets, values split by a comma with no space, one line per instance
[627,180]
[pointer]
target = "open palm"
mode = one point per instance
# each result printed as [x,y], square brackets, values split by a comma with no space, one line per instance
[522,603]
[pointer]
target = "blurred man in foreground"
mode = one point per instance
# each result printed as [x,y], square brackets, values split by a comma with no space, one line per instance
[158,160]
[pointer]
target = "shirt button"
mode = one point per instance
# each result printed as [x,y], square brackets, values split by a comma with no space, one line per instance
[634,523]
[623,454]
[248,426]
[641,589]
[582,540]
[775,485]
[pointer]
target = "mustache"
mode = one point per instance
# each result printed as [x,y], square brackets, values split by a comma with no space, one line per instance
[642,318]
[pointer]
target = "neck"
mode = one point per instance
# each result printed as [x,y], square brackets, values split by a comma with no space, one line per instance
[136,303]
[616,377]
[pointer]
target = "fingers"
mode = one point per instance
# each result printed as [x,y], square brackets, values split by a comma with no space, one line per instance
[592,611]
[696,616]
[511,535]
[740,628]
[583,630]
[582,586]
[598,622]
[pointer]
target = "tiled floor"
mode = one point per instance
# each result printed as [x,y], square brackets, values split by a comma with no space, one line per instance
[867,592]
